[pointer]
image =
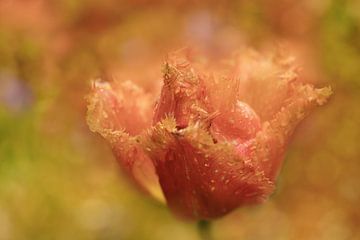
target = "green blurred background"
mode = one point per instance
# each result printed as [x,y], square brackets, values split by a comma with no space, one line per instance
[60,181]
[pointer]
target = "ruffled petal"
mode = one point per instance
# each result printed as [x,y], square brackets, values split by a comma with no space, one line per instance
[202,179]
[264,81]
[269,145]
[119,106]
[118,112]
[183,94]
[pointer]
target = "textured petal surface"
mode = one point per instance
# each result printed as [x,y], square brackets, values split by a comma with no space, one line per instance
[190,95]
[183,94]
[202,179]
[119,106]
[264,81]
[270,143]
[118,112]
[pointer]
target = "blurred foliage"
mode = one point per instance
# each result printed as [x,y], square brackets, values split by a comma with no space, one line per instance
[340,42]
[59,181]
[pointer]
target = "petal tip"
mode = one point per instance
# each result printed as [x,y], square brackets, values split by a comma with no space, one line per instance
[324,95]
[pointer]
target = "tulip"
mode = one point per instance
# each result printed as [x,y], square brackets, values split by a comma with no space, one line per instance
[213,141]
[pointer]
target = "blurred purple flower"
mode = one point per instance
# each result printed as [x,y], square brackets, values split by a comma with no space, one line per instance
[15,94]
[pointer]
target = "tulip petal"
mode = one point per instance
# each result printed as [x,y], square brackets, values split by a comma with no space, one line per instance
[271,142]
[264,81]
[183,93]
[202,179]
[118,112]
[119,106]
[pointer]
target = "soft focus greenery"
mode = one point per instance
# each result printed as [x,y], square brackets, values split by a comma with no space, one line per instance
[60,181]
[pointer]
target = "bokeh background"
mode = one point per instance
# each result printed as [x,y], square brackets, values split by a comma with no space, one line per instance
[60,181]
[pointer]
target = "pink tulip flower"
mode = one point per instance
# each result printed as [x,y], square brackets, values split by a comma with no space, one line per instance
[213,141]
